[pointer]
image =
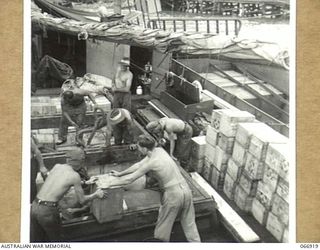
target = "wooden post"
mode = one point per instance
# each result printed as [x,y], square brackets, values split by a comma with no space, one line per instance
[117,7]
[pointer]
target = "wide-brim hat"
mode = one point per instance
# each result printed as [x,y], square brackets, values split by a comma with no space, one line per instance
[125,62]
[116,116]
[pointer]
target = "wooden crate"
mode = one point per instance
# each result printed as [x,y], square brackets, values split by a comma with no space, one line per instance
[210,153]
[261,139]
[195,164]
[277,157]
[233,169]
[229,186]
[226,143]
[283,189]
[212,136]
[274,226]
[226,120]
[207,170]
[217,179]
[270,178]
[242,199]
[254,167]
[198,147]
[220,159]
[259,212]
[264,195]
[281,209]
[110,208]
[247,184]
[245,131]
[285,237]
[239,154]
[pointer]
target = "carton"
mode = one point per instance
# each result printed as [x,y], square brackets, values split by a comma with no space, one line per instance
[233,169]
[248,185]
[239,154]
[221,158]
[210,153]
[242,199]
[277,157]
[259,212]
[198,147]
[274,226]
[246,130]
[212,136]
[264,195]
[281,209]
[283,189]
[217,179]
[254,167]
[228,187]
[226,143]
[270,178]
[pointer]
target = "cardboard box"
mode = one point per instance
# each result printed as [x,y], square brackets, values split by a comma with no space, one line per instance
[270,178]
[229,186]
[274,226]
[264,195]
[261,139]
[248,185]
[277,157]
[226,143]
[246,130]
[210,153]
[198,147]
[254,167]
[281,209]
[212,136]
[239,154]
[242,199]
[217,179]
[233,169]
[283,189]
[221,158]
[226,120]
[259,212]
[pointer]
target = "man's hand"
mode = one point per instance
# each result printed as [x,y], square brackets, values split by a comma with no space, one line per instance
[100,193]
[115,173]
[75,125]
[133,147]
[92,180]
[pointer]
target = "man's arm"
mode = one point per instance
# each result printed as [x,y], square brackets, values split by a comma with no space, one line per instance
[66,115]
[38,157]
[131,169]
[129,178]
[82,198]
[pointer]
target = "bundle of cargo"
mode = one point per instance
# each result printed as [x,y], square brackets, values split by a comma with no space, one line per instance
[198,147]
[220,140]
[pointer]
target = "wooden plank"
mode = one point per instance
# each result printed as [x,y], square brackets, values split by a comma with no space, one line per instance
[231,220]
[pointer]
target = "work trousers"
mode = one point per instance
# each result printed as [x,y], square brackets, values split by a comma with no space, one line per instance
[176,202]
[183,145]
[122,100]
[77,114]
[45,223]
[122,134]
[33,176]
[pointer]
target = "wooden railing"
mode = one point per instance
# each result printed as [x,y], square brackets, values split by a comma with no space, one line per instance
[209,25]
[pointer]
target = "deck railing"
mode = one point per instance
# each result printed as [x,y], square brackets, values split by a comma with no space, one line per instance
[208,25]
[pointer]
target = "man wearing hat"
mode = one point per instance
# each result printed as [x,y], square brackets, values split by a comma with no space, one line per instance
[179,134]
[45,218]
[122,85]
[122,126]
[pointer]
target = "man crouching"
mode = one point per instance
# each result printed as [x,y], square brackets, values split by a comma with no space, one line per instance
[45,218]
[176,194]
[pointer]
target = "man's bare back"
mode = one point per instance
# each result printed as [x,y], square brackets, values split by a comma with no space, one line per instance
[58,182]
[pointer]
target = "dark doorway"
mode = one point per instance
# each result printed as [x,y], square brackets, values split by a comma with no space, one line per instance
[139,57]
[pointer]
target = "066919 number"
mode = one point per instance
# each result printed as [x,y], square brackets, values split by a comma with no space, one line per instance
[309,245]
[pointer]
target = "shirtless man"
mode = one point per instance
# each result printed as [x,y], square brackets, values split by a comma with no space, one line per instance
[74,109]
[178,132]
[45,218]
[122,85]
[176,194]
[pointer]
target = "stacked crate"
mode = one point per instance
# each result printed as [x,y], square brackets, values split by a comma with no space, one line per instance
[277,221]
[198,147]
[256,182]
[45,137]
[220,140]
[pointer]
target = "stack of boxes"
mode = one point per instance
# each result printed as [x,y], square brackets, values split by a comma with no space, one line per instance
[198,147]
[220,141]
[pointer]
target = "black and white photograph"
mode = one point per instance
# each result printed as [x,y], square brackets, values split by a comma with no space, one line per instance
[159,121]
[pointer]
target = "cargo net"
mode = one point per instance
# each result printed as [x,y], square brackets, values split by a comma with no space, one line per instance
[229,8]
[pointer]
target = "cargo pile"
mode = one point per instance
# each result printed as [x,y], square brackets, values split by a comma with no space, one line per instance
[50,106]
[247,161]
